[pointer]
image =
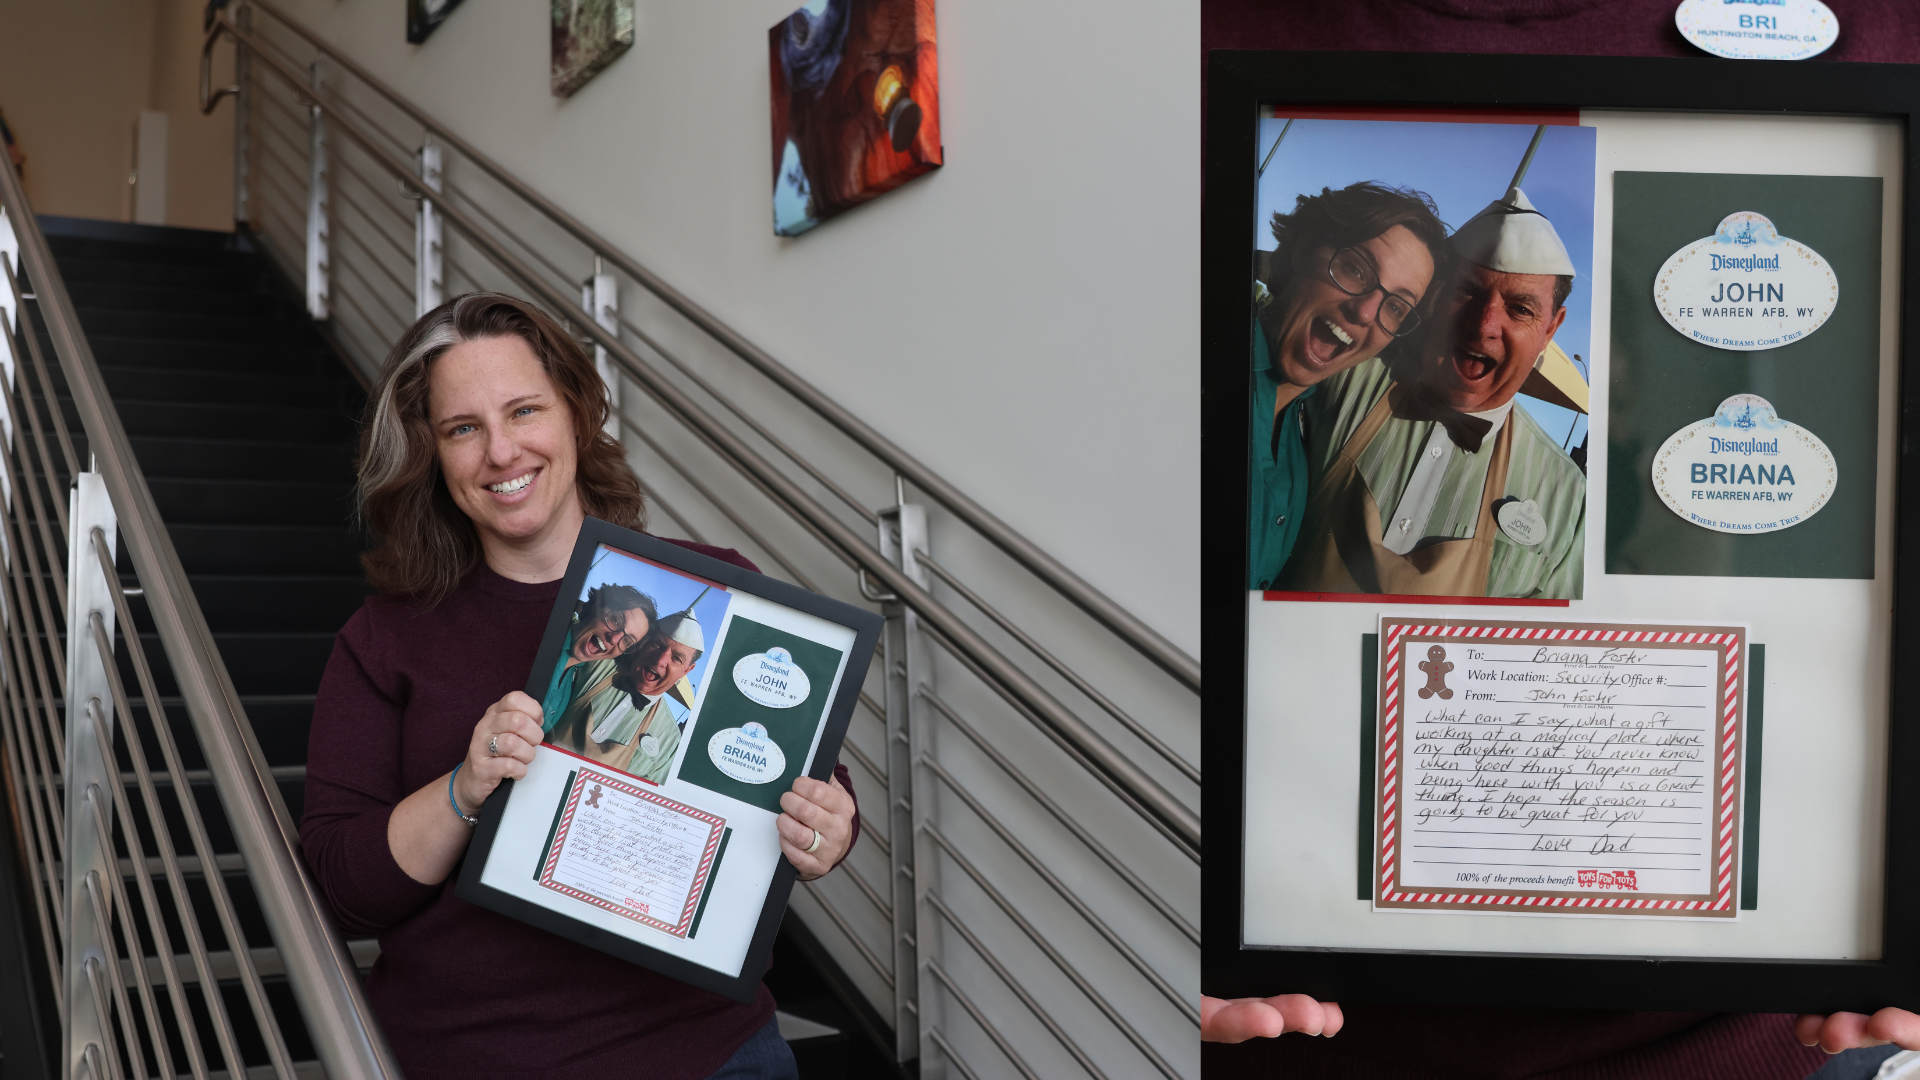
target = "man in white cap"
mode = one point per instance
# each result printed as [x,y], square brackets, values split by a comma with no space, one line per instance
[1427,481]
[641,734]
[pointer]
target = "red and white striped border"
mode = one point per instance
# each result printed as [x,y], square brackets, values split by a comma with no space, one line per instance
[1390,739]
[717,825]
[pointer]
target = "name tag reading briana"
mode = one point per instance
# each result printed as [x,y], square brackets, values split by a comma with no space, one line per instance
[1559,768]
[1758,29]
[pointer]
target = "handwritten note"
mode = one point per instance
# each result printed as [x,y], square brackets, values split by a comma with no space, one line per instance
[1567,768]
[631,851]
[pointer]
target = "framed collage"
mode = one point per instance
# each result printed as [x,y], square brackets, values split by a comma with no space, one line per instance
[645,825]
[1555,546]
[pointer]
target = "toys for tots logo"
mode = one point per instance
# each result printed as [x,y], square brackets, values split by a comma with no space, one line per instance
[1608,879]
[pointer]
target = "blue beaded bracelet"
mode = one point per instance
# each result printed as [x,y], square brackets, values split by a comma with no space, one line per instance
[475,819]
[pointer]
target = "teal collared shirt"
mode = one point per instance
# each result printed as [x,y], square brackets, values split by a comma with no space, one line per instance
[1277,495]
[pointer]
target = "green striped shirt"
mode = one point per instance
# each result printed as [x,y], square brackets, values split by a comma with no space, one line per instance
[1538,470]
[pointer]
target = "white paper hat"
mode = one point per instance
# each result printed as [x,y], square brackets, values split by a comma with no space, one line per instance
[1512,237]
[685,629]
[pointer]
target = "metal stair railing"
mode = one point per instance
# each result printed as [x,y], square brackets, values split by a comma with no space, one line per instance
[1010,797]
[86,806]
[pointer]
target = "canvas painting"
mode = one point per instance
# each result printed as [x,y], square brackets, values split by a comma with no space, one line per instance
[425,16]
[856,105]
[587,36]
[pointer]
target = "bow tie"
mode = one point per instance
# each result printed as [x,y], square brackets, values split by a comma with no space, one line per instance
[1467,432]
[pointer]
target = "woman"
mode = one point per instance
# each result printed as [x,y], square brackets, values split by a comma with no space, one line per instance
[1349,276]
[483,454]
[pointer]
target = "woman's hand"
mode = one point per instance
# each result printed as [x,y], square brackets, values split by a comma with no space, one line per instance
[501,749]
[815,805]
[1264,1018]
[1845,1030]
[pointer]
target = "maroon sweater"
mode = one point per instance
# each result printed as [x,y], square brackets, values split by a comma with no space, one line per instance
[459,990]
[1400,1043]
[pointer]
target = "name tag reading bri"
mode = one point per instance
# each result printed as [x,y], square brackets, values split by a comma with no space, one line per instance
[1559,768]
[1758,29]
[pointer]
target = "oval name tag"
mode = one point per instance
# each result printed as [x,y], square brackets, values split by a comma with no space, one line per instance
[1746,288]
[1758,29]
[772,679]
[1522,521]
[1745,470]
[747,754]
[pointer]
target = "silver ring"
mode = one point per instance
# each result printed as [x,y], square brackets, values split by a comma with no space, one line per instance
[815,846]
[493,746]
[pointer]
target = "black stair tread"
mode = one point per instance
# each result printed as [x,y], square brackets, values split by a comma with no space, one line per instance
[292,423]
[161,298]
[266,548]
[185,326]
[168,456]
[228,388]
[72,247]
[246,279]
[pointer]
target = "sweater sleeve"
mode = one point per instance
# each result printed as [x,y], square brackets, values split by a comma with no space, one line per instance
[840,772]
[353,784]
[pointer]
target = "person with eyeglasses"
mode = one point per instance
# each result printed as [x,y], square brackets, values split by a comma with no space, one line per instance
[1427,480]
[1350,274]
[608,623]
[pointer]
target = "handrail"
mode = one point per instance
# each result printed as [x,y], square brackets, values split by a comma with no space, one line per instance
[1124,624]
[1114,768]
[324,980]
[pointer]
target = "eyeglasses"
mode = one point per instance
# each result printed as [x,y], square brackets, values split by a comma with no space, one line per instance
[1354,275]
[615,624]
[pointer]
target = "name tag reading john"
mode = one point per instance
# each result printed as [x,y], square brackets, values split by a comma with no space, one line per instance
[1559,768]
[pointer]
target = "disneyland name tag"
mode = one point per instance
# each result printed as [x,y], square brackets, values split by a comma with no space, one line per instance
[1746,287]
[772,679]
[1745,470]
[1758,29]
[747,754]
[1522,521]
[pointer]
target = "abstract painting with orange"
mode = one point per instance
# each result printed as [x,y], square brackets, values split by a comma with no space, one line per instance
[856,105]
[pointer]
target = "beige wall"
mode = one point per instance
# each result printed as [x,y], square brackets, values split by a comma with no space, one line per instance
[74,76]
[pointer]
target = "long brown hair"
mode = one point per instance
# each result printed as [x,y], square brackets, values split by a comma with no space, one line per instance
[424,544]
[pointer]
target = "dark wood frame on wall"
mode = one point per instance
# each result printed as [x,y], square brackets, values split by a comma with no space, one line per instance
[1237,84]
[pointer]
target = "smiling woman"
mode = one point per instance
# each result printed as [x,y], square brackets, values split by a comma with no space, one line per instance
[484,454]
[1353,272]
[434,415]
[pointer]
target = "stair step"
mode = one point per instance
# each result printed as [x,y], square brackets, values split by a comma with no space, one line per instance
[185,326]
[243,459]
[229,388]
[296,353]
[264,549]
[179,298]
[240,279]
[263,502]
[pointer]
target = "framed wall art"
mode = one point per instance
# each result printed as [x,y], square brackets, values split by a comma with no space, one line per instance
[682,697]
[1554,491]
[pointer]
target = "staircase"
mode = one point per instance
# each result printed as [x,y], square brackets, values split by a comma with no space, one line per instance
[244,420]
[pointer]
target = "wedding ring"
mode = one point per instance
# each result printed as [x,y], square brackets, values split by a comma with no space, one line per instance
[815,846]
[493,746]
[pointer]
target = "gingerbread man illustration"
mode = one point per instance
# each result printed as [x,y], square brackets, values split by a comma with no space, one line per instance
[593,797]
[1436,667]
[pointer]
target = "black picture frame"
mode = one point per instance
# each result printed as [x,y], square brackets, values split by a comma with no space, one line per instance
[866,626]
[1238,83]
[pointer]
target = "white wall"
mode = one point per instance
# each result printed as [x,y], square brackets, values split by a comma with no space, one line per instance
[1024,320]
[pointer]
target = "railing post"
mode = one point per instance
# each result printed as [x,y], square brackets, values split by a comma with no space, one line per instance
[317,200]
[903,530]
[87,595]
[242,121]
[429,279]
[600,296]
